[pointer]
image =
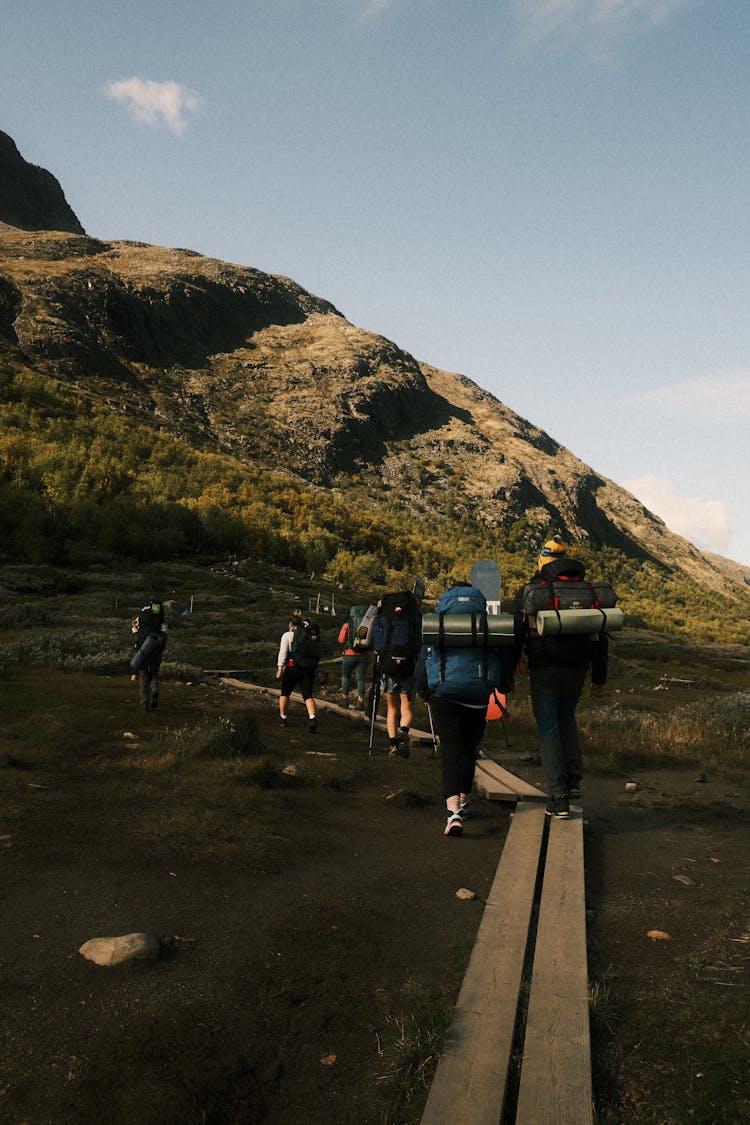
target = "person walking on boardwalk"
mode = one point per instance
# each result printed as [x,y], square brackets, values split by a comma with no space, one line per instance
[299,651]
[557,667]
[356,654]
[396,639]
[456,681]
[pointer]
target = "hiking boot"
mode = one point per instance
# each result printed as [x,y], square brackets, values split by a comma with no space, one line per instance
[282,721]
[403,742]
[559,807]
[345,702]
[574,787]
[360,704]
[393,752]
[455,825]
[312,726]
[154,701]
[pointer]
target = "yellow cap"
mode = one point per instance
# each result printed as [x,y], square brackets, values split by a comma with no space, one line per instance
[552,549]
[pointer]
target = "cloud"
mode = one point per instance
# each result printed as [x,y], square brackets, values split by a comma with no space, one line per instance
[703,522]
[541,19]
[156,103]
[374,8]
[711,400]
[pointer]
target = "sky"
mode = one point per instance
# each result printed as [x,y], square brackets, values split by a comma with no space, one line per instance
[548,196]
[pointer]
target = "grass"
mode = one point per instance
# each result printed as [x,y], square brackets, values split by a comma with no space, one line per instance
[698,718]
[603,1008]
[410,1058]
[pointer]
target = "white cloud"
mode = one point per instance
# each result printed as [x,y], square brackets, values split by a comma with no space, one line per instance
[703,522]
[712,400]
[373,8]
[157,103]
[541,19]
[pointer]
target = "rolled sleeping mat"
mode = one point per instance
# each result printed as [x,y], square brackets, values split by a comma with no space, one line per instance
[467,630]
[552,622]
[153,643]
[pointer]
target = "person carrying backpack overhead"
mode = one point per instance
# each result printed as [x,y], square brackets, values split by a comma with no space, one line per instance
[456,678]
[557,667]
[396,639]
[149,629]
[300,650]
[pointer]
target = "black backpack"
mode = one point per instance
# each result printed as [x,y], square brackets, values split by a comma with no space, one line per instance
[307,647]
[150,619]
[563,585]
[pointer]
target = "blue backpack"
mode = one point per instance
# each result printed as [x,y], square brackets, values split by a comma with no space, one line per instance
[396,634]
[467,674]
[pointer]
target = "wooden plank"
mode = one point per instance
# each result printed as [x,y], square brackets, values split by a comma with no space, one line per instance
[491,789]
[421,737]
[555,1080]
[506,782]
[471,1077]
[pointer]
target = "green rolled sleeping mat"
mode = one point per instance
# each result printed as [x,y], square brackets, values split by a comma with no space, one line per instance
[553,622]
[468,630]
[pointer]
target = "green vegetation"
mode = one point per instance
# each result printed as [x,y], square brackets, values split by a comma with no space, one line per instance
[673,701]
[83,484]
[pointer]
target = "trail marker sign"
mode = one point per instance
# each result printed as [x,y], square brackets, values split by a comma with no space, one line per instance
[485,575]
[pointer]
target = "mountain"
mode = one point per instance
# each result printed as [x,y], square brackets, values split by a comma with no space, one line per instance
[30,197]
[250,367]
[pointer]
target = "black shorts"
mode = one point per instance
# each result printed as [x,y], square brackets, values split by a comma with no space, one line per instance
[295,677]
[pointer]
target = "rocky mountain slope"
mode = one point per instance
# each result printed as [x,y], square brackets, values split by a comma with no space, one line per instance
[30,197]
[250,364]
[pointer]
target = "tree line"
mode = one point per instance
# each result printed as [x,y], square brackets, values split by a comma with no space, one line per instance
[82,483]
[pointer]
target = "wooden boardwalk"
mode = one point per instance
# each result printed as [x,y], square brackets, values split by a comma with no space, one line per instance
[499,784]
[420,737]
[518,1052]
[507,1061]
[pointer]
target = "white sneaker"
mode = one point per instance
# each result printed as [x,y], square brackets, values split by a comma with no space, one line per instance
[455,825]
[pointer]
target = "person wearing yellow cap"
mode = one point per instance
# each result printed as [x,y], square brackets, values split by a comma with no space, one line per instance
[557,668]
[552,549]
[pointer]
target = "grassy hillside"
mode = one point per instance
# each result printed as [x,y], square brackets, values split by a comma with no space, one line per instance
[84,486]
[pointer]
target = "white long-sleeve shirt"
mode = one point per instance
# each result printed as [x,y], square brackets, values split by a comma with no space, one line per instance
[285,648]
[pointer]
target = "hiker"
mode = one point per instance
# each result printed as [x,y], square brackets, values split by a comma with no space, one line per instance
[557,667]
[456,681]
[296,666]
[354,636]
[149,629]
[396,638]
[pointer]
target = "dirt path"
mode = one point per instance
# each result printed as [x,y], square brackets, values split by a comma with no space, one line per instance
[315,922]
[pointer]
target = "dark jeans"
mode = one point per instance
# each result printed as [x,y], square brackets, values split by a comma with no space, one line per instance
[357,665]
[148,682]
[554,697]
[460,730]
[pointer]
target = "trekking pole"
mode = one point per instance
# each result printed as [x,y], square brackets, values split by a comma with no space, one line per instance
[432,729]
[375,700]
